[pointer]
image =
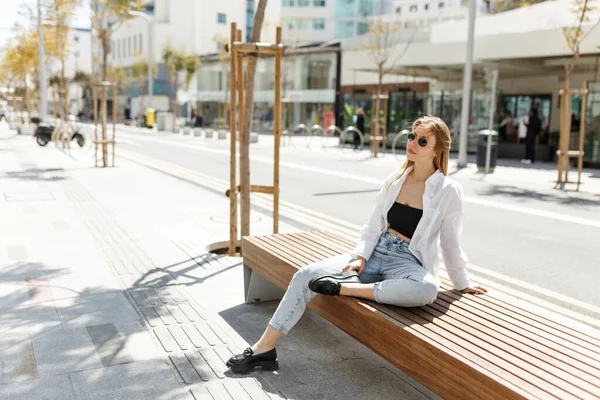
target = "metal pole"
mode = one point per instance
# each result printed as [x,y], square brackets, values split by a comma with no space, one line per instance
[150,62]
[488,151]
[43,88]
[466,100]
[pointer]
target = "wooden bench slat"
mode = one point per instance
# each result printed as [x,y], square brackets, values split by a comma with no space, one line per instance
[284,250]
[494,322]
[325,241]
[283,245]
[477,348]
[496,351]
[409,354]
[543,323]
[316,247]
[545,353]
[557,337]
[513,354]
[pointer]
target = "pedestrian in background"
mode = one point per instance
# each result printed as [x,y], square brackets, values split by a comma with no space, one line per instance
[359,123]
[534,127]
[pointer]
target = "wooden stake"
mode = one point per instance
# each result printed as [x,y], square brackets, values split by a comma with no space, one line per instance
[385,119]
[95,96]
[277,134]
[104,111]
[232,150]
[581,133]
[114,86]
[240,83]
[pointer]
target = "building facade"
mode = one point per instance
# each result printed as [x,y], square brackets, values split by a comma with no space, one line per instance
[310,88]
[528,48]
[197,27]
[306,21]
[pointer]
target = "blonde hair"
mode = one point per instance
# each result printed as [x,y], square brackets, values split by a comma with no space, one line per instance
[443,139]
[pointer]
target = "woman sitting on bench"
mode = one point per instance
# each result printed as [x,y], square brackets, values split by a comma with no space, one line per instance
[396,259]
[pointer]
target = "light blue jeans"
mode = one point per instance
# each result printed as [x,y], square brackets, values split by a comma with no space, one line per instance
[398,276]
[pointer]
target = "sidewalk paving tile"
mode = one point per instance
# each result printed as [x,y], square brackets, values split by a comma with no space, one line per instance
[65,351]
[142,380]
[49,388]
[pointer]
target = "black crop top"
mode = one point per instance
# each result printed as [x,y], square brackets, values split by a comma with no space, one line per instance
[404,219]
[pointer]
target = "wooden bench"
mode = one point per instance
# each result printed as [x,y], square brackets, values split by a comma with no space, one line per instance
[461,347]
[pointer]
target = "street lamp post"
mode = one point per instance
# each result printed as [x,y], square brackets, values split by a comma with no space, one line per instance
[149,21]
[466,99]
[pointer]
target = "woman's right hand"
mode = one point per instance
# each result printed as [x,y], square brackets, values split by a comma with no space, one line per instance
[356,265]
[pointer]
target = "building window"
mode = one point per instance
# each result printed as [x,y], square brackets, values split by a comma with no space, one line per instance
[318,74]
[398,10]
[221,18]
[319,24]
[288,3]
[441,5]
[140,42]
[319,3]
[129,46]
[426,6]
[135,44]
[303,3]
[302,23]
[249,19]
[413,8]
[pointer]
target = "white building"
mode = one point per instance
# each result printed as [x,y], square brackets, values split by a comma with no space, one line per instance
[189,25]
[78,59]
[306,21]
[528,48]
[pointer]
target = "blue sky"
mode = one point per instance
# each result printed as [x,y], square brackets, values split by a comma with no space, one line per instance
[10,15]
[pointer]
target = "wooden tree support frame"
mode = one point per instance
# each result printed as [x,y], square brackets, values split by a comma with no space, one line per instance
[104,141]
[378,130]
[238,50]
[564,153]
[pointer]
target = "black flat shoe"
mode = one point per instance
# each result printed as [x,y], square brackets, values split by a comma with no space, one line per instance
[248,361]
[331,284]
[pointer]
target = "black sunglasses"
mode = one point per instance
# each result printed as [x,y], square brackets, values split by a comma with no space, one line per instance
[422,141]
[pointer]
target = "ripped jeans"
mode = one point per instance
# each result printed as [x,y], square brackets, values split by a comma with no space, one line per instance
[398,276]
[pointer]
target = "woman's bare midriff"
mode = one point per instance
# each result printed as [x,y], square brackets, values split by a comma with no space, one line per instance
[393,232]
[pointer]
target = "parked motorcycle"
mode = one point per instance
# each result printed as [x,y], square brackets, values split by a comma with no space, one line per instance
[43,135]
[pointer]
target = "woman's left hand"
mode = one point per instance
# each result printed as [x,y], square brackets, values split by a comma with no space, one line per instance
[476,289]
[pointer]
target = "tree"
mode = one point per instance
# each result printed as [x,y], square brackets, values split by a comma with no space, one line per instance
[259,17]
[574,36]
[176,61]
[58,15]
[382,38]
[507,5]
[21,61]
[139,75]
[108,16]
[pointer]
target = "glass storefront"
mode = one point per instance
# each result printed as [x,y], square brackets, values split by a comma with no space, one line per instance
[515,108]
[309,81]
[592,127]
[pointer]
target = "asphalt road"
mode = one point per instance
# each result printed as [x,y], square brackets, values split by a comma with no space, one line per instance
[524,230]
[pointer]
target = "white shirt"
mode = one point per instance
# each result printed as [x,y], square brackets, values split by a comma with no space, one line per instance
[522,127]
[439,229]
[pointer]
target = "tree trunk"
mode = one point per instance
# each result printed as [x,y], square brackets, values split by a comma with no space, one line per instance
[247,128]
[104,39]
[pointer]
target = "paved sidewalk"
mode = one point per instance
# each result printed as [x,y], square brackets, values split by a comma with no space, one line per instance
[107,291]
